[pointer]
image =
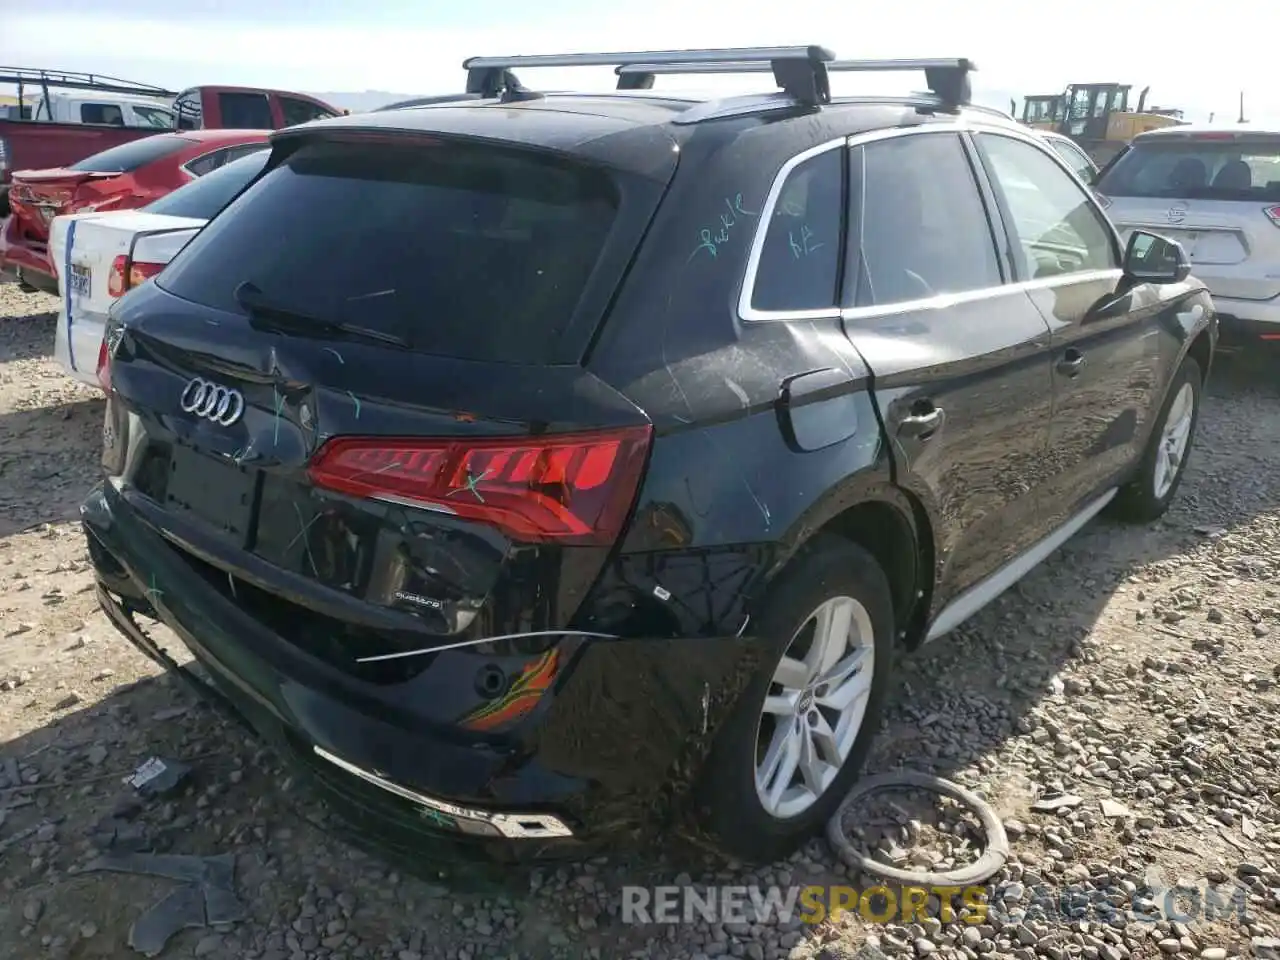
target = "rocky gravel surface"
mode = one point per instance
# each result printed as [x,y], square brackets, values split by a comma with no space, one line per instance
[1118,708]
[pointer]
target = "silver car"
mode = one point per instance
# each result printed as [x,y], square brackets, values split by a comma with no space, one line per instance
[1216,190]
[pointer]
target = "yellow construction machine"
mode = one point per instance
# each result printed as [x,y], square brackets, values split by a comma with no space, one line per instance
[1097,116]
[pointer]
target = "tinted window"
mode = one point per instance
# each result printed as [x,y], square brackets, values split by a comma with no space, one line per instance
[467,251]
[800,261]
[1058,229]
[132,155]
[1193,169]
[204,197]
[206,164]
[245,111]
[107,113]
[923,229]
[301,111]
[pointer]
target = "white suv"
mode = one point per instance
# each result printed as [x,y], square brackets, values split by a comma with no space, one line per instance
[1216,190]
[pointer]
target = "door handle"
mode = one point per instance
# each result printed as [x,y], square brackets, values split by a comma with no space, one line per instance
[922,425]
[1071,363]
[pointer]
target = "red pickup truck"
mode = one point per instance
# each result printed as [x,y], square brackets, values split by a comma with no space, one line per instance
[39,144]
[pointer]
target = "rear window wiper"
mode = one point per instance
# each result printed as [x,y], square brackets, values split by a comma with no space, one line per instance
[262,308]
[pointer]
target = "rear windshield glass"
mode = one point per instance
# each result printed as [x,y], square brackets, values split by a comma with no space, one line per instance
[205,196]
[462,250]
[1247,170]
[132,155]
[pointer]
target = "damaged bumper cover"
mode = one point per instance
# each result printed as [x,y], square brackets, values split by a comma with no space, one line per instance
[611,746]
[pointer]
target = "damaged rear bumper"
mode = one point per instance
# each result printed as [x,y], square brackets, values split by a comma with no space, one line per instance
[616,739]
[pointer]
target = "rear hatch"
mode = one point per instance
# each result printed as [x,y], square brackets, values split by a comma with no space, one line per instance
[1216,193]
[37,196]
[355,403]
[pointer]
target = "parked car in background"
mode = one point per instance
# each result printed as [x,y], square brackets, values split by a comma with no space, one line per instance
[31,143]
[112,110]
[102,256]
[1216,190]
[1081,163]
[122,178]
[527,465]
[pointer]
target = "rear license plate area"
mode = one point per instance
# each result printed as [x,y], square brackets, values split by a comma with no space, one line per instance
[81,280]
[219,494]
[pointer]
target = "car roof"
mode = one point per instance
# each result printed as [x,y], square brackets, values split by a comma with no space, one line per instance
[221,133]
[1195,129]
[567,122]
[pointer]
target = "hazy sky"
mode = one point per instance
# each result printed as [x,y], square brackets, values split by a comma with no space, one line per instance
[1191,55]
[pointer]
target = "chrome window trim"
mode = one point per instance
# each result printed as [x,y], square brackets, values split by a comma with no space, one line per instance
[748,314]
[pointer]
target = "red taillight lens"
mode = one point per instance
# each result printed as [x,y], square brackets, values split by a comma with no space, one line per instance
[104,366]
[140,273]
[567,488]
[126,274]
[1274,214]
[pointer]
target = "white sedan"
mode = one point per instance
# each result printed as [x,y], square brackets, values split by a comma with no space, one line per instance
[99,257]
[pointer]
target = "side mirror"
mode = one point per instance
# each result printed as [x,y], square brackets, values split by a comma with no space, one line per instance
[1150,258]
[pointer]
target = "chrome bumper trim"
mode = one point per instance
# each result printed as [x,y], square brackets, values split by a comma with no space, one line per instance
[482,823]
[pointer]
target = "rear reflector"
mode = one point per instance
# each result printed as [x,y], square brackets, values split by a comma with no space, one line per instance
[563,488]
[1273,213]
[126,274]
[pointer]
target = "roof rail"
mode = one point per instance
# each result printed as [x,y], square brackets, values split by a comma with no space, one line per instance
[948,79]
[24,76]
[800,71]
[428,101]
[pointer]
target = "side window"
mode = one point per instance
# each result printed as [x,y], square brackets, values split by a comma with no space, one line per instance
[108,113]
[302,111]
[1080,165]
[206,163]
[800,260]
[922,229]
[1058,230]
[235,153]
[189,111]
[245,111]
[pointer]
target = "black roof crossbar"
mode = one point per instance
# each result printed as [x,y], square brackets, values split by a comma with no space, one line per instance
[948,79]
[800,71]
[24,76]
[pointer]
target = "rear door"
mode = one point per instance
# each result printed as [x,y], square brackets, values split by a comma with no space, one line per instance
[1216,193]
[1106,344]
[960,360]
[408,450]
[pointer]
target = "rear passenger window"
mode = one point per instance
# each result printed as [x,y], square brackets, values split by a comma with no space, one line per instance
[800,261]
[1058,231]
[922,229]
[107,113]
[207,163]
[245,111]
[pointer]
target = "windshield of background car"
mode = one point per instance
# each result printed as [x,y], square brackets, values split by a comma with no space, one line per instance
[472,251]
[1198,169]
[130,156]
[205,196]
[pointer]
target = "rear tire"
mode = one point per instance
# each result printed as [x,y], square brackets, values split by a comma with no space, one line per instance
[835,589]
[1164,463]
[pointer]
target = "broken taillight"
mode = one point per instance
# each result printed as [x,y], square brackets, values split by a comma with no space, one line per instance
[104,366]
[1273,214]
[565,488]
[126,274]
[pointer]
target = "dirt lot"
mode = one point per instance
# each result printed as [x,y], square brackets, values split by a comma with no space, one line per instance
[1133,676]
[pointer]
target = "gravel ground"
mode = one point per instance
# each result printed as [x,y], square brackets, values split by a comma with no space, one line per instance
[1118,708]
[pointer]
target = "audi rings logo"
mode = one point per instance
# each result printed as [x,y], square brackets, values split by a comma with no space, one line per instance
[212,401]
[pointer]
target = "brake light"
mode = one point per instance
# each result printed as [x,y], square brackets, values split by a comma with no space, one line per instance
[104,366]
[1274,214]
[564,488]
[126,274]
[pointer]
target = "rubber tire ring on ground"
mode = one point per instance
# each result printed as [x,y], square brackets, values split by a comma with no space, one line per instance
[992,860]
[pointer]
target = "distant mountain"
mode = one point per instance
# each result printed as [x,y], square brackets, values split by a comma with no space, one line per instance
[365,101]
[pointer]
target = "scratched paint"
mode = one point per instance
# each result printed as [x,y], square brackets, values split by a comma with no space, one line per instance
[336,354]
[356,401]
[304,527]
[805,246]
[711,239]
[279,405]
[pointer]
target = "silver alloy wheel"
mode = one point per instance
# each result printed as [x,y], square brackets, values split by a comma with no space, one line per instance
[814,707]
[1171,447]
